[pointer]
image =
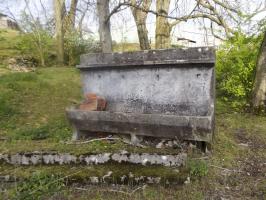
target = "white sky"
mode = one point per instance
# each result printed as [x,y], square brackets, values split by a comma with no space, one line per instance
[123,26]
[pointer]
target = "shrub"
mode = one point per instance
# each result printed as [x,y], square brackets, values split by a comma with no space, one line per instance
[38,45]
[36,41]
[75,45]
[236,62]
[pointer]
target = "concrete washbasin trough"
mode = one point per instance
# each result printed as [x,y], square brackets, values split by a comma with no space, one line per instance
[158,93]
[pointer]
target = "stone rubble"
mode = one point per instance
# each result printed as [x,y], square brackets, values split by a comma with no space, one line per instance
[66,158]
[22,64]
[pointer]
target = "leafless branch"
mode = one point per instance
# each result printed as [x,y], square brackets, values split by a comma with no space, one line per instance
[43,9]
[213,15]
[214,34]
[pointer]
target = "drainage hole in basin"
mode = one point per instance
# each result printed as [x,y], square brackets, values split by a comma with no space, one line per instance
[158,77]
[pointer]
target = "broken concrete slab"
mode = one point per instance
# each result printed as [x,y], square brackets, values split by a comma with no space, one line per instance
[93,159]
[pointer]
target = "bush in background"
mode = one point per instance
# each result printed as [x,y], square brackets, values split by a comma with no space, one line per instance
[38,45]
[75,45]
[236,63]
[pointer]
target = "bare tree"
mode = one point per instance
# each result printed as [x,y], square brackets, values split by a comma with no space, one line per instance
[70,16]
[140,19]
[64,24]
[163,28]
[104,25]
[259,91]
[59,14]
[83,13]
[213,10]
[205,9]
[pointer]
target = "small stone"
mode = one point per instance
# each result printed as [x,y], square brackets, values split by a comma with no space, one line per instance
[123,152]
[25,160]
[94,179]
[192,146]
[135,140]
[5,178]
[130,175]
[150,180]
[243,145]
[188,180]
[48,159]
[157,180]
[15,159]
[123,178]
[35,159]
[160,144]
[170,144]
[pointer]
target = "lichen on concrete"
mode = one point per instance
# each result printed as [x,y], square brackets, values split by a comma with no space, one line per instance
[95,159]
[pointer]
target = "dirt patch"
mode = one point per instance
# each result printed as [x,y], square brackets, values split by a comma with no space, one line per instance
[254,166]
[253,141]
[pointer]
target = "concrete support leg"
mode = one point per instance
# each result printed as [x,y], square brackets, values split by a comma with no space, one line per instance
[78,134]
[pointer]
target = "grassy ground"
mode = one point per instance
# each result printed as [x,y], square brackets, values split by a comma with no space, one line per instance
[8,39]
[32,117]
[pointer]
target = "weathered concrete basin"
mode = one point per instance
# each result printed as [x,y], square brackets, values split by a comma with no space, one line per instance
[161,93]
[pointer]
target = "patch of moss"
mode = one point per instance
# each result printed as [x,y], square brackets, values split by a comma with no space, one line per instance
[81,174]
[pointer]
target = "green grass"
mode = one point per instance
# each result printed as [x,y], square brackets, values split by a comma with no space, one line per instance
[8,39]
[33,104]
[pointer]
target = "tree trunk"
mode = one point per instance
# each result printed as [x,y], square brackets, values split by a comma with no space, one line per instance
[163,28]
[69,19]
[72,13]
[58,10]
[104,26]
[143,36]
[140,20]
[42,58]
[259,90]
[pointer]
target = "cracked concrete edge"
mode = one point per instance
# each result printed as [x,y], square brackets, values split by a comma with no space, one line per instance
[65,158]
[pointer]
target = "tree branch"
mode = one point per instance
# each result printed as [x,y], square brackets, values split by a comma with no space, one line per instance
[213,15]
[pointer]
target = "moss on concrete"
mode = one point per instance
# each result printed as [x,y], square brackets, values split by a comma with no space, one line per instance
[82,174]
